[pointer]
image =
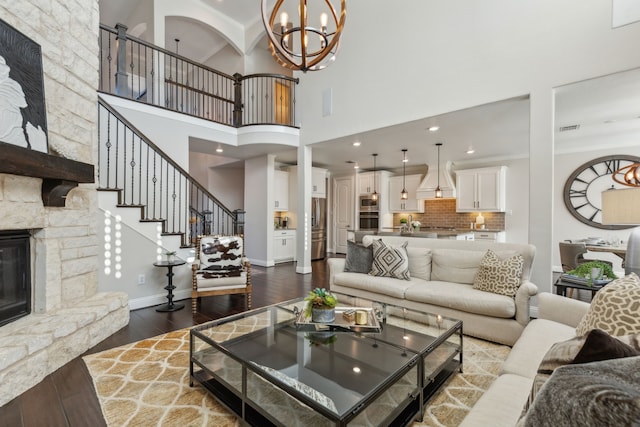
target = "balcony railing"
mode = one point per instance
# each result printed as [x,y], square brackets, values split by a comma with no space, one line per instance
[137,70]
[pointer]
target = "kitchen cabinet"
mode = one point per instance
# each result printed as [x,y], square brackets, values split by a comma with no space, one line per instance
[368,181]
[284,246]
[412,204]
[319,183]
[481,190]
[281,191]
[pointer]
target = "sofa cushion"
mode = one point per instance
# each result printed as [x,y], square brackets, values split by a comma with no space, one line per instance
[605,393]
[419,262]
[500,276]
[359,258]
[536,339]
[382,285]
[390,261]
[615,308]
[220,253]
[455,265]
[498,406]
[461,297]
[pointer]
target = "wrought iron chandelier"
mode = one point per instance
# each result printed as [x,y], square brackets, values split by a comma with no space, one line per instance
[297,45]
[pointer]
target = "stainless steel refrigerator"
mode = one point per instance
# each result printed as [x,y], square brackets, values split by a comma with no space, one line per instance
[318,228]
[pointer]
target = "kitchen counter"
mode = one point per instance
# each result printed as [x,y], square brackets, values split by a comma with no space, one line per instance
[427,233]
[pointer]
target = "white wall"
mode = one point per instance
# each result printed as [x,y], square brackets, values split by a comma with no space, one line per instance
[470,53]
[259,179]
[227,184]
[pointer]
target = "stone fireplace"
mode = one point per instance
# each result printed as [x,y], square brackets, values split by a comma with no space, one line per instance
[52,199]
[15,275]
[65,315]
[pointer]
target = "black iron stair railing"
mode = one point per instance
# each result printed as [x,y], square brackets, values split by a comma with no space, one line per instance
[148,178]
[135,69]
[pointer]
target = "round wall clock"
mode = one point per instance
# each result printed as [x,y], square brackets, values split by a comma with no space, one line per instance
[583,189]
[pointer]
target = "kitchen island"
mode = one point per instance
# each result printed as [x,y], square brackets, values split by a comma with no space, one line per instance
[430,233]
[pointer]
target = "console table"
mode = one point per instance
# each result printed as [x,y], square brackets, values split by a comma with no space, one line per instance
[170,306]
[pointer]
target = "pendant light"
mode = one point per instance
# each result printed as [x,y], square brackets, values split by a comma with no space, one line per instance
[438,189]
[404,195]
[374,195]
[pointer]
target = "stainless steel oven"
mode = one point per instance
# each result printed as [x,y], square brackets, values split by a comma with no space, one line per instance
[367,204]
[368,221]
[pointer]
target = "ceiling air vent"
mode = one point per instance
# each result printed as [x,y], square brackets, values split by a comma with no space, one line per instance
[569,128]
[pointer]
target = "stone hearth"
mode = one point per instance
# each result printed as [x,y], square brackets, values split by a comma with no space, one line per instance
[68,314]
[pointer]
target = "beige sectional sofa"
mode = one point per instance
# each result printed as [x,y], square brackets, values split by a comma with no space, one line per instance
[503,403]
[442,273]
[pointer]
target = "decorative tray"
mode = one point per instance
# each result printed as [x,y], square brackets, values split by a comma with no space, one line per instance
[584,280]
[341,323]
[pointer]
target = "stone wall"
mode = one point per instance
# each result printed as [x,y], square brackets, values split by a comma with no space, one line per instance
[69,316]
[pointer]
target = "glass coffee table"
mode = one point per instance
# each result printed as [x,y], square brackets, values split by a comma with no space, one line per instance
[269,371]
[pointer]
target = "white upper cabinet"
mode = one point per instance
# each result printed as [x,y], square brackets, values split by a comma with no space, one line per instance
[412,204]
[368,181]
[319,183]
[281,191]
[481,189]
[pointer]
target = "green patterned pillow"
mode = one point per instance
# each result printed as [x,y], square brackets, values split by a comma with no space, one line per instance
[500,276]
[390,261]
[615,308]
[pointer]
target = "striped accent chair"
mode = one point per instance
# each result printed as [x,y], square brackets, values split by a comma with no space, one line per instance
[220,268]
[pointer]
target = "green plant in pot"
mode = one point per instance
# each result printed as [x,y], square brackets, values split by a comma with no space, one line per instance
[321,306]
[590,269]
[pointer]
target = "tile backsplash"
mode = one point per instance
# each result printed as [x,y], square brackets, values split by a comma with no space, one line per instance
[442,213]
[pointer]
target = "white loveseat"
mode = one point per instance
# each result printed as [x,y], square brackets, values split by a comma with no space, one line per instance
[503,402]
[442,272]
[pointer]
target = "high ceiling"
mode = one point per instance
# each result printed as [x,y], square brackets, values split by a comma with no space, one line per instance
[606,109]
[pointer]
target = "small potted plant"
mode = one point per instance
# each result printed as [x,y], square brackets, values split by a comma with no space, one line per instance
[593,270]
[170,255]
[321,306]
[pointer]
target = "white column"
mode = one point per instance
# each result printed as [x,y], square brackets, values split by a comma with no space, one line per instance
[303,232]
[541,158]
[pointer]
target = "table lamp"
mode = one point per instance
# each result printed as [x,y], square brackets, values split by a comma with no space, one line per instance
[622,207]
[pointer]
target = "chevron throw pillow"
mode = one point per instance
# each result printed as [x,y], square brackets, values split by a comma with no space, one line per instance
[390,261]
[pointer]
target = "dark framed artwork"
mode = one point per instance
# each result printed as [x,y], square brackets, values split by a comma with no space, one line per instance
[23,113]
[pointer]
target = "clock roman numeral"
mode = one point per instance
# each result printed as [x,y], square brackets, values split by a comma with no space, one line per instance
[577,193]
[612,165]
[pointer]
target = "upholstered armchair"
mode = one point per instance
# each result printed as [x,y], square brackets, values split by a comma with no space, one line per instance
[220,268]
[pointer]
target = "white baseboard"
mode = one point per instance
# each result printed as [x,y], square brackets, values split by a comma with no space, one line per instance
[152,300]
[303,270]
[261,262]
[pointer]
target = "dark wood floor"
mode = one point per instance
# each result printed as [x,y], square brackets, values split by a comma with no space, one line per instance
[67,397]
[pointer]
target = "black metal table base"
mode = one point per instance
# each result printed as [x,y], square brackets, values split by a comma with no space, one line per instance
[169,306]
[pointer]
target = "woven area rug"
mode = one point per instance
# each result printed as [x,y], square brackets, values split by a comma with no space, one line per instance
[147,384]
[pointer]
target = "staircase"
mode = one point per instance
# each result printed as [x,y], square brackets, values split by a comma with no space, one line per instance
[146,179]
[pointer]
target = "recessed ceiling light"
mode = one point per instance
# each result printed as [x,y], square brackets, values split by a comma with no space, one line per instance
[470,150]
[356,370]
[433,128]
[356,166]
[219,150]
[357,144]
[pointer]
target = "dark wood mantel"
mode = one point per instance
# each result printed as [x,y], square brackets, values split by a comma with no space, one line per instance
[59,175]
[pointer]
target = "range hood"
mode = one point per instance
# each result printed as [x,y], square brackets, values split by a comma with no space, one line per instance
[427,188]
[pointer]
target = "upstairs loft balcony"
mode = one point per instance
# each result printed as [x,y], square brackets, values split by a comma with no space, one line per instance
[137,70]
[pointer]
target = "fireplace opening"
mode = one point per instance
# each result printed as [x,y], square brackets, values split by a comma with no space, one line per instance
[15,275]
